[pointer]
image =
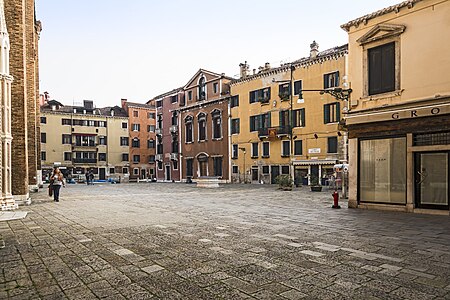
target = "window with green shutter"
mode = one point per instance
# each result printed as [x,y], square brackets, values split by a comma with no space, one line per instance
[331,113]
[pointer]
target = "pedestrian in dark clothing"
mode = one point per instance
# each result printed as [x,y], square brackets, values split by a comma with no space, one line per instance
[87,177]
[91,177]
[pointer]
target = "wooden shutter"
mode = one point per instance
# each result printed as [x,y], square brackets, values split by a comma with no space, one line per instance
[338,111]
[302,117]
[326,114]
[336,78]
[388,67]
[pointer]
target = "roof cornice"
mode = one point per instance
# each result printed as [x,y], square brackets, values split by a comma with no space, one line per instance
[364,19]
[302,63]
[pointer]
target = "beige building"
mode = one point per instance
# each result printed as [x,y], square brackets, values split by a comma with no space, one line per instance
[84,138]
[399,114]
[280,123]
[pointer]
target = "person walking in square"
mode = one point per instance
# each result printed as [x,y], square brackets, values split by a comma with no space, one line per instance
[56,181]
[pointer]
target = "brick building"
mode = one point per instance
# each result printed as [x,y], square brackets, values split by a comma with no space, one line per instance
[204,118]
[23,30]
[142,120]
[167,139]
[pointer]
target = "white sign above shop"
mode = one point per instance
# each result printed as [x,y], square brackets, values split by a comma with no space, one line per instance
[313,150]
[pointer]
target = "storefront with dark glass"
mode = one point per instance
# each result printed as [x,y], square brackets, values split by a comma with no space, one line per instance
[402,158]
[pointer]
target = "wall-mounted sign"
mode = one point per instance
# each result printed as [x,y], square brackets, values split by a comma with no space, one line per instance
[407,113]
[313,150]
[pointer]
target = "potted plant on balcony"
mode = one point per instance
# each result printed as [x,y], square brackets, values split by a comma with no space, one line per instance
[284,182]
[315,184]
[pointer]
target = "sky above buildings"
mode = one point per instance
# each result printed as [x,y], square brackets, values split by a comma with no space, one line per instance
[105,50]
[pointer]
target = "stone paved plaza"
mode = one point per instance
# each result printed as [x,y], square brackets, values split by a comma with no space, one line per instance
[176,241]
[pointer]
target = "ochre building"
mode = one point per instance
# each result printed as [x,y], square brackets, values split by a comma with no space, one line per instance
[399,115]
[278,128]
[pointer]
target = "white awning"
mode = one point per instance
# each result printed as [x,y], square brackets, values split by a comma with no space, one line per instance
[308,162]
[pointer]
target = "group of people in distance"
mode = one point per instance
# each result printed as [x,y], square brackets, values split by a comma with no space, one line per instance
[89,177]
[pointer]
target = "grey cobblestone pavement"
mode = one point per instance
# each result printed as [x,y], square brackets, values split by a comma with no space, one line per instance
[175,241]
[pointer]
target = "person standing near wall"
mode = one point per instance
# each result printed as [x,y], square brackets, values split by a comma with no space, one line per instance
[56,181]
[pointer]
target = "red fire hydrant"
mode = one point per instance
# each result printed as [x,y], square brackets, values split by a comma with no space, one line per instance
[335,199]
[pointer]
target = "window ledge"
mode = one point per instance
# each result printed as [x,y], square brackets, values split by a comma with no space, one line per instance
[285,155]
[189,142]
[265,156]
[395,93]
[218,139]
[202,141]
[254,156]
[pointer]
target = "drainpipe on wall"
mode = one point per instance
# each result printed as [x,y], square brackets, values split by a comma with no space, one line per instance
[229,139]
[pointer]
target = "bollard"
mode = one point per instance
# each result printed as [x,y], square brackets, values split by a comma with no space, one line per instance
[335,200]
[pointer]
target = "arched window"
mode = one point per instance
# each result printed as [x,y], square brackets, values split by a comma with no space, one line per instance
[135,143]
[188,129]
[202,88]
[216,124]
[202,127]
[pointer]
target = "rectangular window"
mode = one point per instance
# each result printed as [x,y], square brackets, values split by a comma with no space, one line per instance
[159,103]
[189,167]
[44,120]
[66,139]
[159,149]
[332,144]
[381,64]
[261,95]
[284,91]
[125,170]
[215,88]
[285,170]
[235,129]
[297,87]
[331,80]
[124,125]
[284,121]
[298,117]
[43,137]
[66,122]
[260,121]
[112,170]
[174,99]
[174,165]
[383,170]
[102,140]
[234,101]
[136,127]
[136,158]
[298,147]
[190,95]
[266,149]
[235,169]
[286,147]
[331,113]
[135,171]
[102,156]
[125,157]
[135,113]
[151,159]
[67,156]
[124,141]
[217,161]
[234,152]
[151,115]
[151,144]
[43,155]
[265,170]
[255,150]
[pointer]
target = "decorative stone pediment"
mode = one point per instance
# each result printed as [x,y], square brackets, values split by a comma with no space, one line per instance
[381,31]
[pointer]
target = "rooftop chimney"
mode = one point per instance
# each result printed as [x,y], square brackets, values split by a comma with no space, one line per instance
[244,69]
[123,102]
[314,50]
[267,66]
[88,104]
